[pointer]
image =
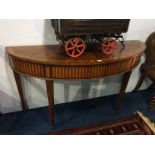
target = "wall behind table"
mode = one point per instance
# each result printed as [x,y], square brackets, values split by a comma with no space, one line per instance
[35,32]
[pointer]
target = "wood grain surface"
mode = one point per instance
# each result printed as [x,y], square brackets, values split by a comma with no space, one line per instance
[50,61]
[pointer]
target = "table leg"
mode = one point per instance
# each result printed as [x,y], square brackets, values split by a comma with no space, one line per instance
[142,77]
[50,94]
[20,90]
[124,83]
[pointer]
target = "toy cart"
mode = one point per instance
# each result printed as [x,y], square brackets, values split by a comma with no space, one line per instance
[75,35]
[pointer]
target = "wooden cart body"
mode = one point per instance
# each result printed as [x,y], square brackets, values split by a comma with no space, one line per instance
[77,34]
[65,28]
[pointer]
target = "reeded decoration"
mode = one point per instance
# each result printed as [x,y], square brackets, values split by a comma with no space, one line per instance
[49,61]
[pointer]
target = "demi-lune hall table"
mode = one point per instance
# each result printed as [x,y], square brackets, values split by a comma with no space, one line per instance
[49,62]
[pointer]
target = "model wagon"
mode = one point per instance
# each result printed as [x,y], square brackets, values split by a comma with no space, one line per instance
[77,35]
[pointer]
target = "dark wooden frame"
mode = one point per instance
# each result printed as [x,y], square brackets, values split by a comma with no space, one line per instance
[148,67]
[90,30]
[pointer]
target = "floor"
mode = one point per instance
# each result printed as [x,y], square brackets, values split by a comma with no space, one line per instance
[75,114]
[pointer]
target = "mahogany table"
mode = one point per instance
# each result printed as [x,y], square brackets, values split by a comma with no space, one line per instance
[49,62]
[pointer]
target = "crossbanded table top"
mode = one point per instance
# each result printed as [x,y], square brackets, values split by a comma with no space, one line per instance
[55,54]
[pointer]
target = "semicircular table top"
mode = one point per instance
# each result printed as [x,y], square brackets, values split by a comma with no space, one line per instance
[54,54]
[50,61]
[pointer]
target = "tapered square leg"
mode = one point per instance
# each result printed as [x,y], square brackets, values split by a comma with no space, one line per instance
[124,84]
[20,90]
[50,94]
[142,77]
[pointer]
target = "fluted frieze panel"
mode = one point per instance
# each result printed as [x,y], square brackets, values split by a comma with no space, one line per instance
[73,72]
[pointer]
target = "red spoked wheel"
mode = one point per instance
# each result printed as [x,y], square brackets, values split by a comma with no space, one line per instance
[75,47]
[108,46]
